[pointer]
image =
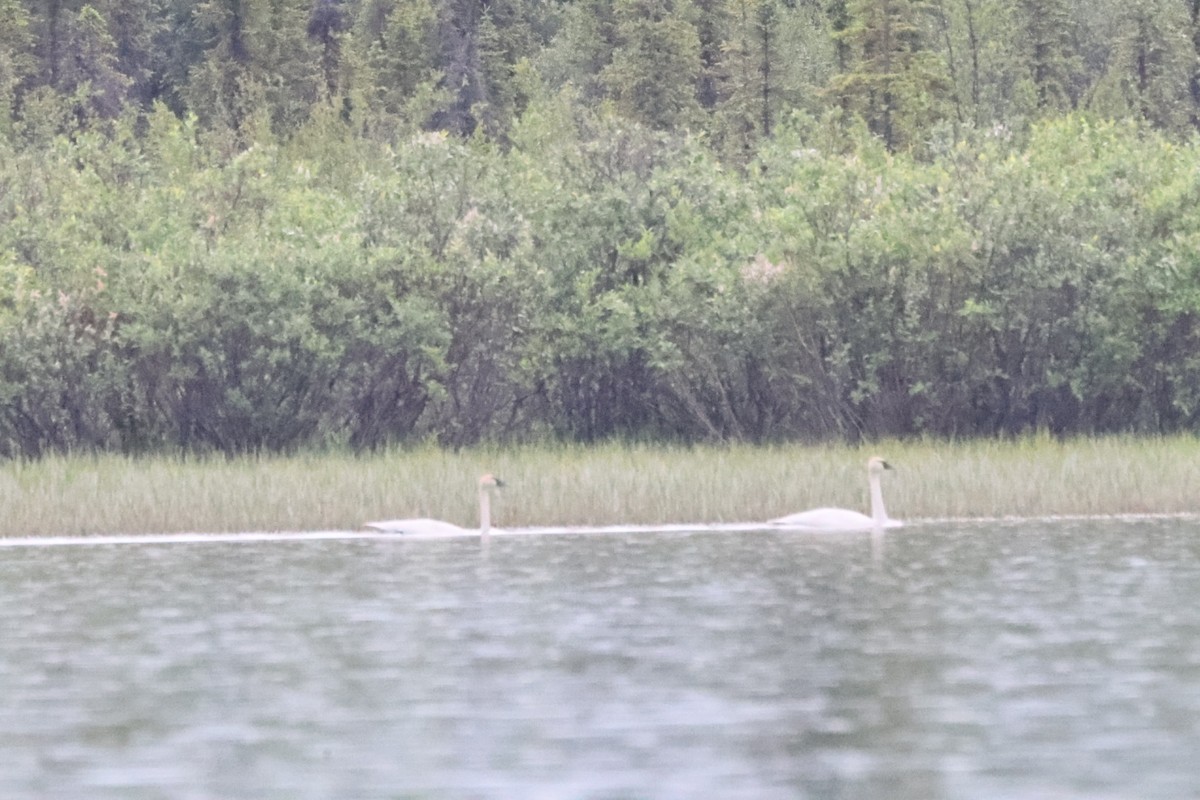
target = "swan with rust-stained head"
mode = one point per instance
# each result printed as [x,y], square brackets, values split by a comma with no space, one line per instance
[436,526]
[843,519]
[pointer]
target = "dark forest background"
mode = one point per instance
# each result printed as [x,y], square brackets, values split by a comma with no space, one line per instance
[272,225]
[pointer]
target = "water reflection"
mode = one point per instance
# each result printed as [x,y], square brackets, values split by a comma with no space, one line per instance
[936,661]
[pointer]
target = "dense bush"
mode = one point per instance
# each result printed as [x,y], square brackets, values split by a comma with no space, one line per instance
[246,226]
[593,279]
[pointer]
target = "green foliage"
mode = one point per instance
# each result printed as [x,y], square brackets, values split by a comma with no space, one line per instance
[16,58]
[991,291]
[1151,66]
[401,53]
[772,61]
[1048,56]
[896,83]
[285,239]
[731,70]
[60,378]
[655,69]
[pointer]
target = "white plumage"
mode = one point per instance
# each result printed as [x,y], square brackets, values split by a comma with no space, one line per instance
[843,519]
[436,527]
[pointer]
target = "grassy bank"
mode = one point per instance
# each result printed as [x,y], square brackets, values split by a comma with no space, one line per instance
[602,485]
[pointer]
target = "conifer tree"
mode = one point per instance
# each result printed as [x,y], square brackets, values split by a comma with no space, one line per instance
[1151,65]
[401,53]
[750,74]
[656,67]
[510,32]
[1194,83]
[458,29]
[581,48]
[713,21]
[89,66]
[1051,61]
[327,23]
[221,89]
[297,58]
[896,82]
[143,34]
[16,57]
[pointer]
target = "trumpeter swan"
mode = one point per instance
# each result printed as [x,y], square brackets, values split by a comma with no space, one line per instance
[435,526]
[843,519]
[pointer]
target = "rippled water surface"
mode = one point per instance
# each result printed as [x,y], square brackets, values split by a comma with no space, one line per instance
[1057,660]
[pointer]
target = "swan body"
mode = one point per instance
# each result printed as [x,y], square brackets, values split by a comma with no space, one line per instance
[843,519]
[436,527]
[421,525]
[832,519]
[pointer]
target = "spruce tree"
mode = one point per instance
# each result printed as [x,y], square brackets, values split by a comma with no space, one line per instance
[656,67]
[896,82]
[1051,61]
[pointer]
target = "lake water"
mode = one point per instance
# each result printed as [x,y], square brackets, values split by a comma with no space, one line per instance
[1032,660]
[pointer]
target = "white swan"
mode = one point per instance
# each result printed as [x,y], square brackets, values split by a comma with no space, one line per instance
[843,519]
[435,526]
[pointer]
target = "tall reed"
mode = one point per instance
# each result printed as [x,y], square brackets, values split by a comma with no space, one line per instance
[563,485]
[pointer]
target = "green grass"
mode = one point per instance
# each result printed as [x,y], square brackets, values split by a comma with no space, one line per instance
[596,485]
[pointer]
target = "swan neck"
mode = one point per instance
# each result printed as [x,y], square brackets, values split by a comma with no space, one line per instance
[878,512]
[485,512]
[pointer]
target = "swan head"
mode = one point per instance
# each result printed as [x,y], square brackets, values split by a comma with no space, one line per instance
[876,465]
[490,481]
